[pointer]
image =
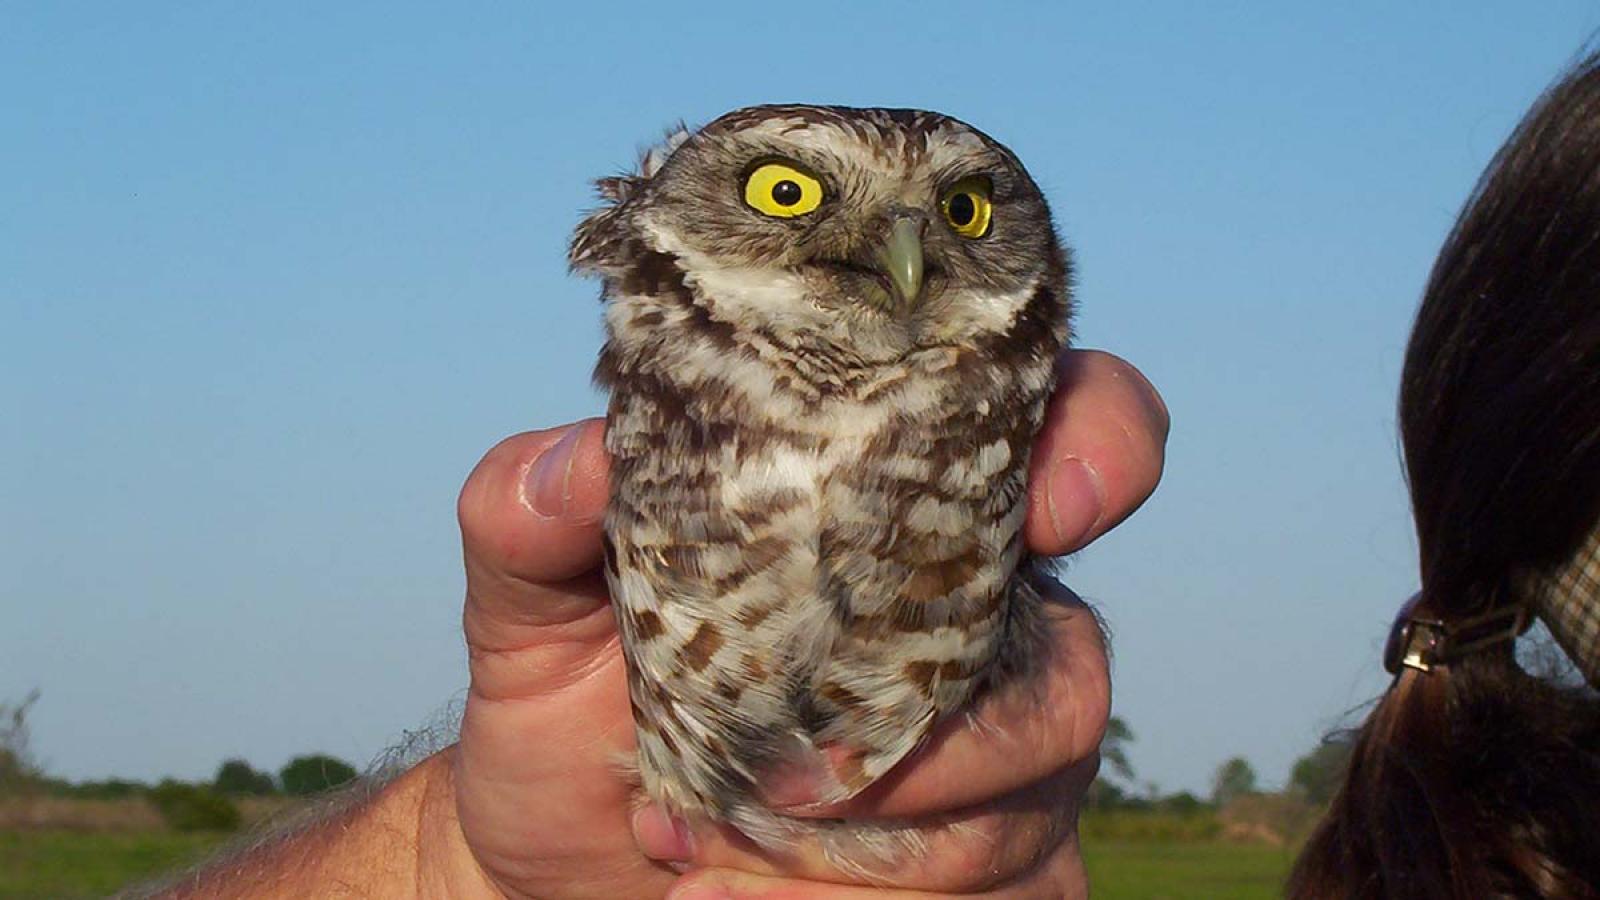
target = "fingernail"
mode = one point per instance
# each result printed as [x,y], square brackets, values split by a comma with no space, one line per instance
[1075,499]
[807,779]
[662,837]
[795,787]
[547,486]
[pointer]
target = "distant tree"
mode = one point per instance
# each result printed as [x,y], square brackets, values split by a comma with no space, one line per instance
[307,775]
[1316,775]
[1234,778]
[193,807]
[17,768]
[1114,748]
[1105,793]
[235,776]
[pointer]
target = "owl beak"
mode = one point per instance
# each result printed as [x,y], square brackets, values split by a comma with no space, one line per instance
[901,258]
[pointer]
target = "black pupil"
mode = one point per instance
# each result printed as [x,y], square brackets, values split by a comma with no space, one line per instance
[962,209]
[786,193]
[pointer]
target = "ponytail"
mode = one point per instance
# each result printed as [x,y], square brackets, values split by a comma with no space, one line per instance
[1472,778]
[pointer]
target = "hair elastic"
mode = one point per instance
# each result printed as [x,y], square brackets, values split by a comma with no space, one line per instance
[1423,643]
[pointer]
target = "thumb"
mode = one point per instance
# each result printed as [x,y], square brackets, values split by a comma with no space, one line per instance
[539,797]
[536,611]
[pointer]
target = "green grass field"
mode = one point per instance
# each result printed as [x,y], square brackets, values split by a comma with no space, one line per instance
[1169,870]
[63,865]
[46,865]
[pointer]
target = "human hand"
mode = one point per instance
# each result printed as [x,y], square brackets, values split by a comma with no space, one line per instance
[540,801]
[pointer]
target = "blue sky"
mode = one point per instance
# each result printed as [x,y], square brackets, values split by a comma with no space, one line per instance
[272,278]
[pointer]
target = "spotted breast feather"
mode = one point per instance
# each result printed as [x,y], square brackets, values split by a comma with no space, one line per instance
[825,380]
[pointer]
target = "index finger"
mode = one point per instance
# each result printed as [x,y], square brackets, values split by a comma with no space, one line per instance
[1013,737]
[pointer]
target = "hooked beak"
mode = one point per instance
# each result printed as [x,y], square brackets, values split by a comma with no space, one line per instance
[901,258]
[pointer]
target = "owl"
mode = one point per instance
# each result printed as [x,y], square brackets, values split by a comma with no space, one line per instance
[830,338]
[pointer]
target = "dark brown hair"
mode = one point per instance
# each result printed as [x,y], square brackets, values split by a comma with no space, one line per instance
[1478,779]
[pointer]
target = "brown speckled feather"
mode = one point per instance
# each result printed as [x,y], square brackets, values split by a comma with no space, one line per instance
[814,542]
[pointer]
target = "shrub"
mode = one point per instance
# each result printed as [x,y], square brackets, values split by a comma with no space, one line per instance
[109,789]
[1181,802]
[1318,774]
[307,775]
[238,777]
[191,807]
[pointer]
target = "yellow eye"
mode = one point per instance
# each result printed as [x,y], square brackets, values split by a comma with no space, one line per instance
[966,207]
[782,190]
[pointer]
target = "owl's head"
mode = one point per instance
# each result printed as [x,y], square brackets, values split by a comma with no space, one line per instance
[870,231]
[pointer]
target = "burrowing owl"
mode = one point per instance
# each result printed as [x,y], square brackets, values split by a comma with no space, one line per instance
[831,335]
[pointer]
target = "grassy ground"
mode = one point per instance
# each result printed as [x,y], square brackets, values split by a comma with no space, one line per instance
[47,865]
[1164,870]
